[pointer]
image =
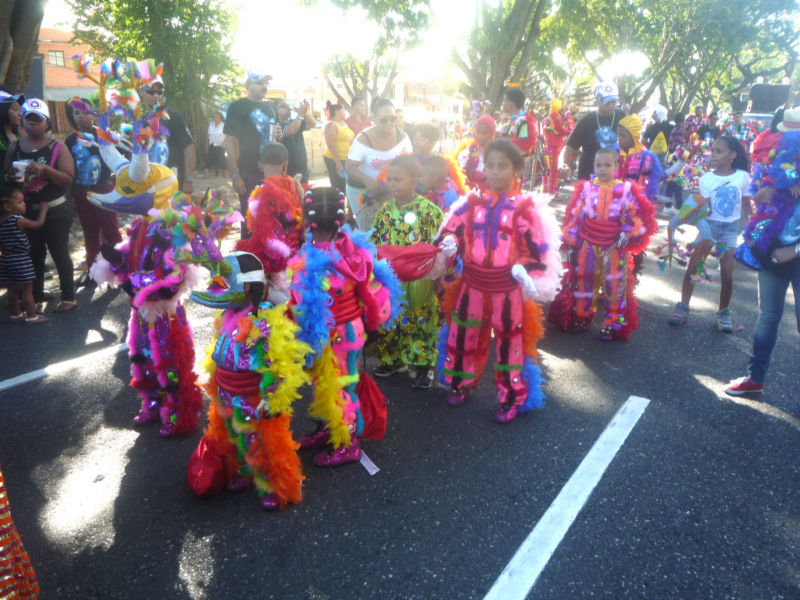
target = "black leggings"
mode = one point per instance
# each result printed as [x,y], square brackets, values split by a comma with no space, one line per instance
[53,236]
[216,159]
[674,191]
[336,178]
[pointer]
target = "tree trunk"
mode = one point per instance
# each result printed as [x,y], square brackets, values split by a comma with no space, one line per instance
[20,21]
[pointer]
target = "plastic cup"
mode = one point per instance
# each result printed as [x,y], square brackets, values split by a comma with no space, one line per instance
[19,167]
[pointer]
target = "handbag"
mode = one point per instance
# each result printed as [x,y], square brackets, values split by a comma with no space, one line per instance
[206,473]
[373,408]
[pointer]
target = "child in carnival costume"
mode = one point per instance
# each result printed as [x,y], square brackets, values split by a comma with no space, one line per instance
[402,222]
[470,155]
[339,292]
[636,163]
[274,219]
[508,242]
[144,265]
[255,371]
[436,183]
[776,221]
[556,127]
[606,224]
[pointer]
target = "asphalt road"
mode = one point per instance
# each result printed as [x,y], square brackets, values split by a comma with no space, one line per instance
[701,501]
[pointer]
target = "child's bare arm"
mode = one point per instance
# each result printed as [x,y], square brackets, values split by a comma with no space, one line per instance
[30,224]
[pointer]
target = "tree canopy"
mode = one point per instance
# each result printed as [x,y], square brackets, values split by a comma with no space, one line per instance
[399,24]
[709,51]
[192,38]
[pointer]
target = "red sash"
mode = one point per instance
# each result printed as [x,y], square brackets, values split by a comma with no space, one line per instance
[599,231]
[491,280]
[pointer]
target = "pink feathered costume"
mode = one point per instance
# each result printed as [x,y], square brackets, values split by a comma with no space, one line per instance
[495,233]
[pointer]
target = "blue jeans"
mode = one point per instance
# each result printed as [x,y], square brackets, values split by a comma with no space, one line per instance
[771,299]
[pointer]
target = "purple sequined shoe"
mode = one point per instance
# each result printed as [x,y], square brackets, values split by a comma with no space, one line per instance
[317,439]
[239,483]
[506,413]
[148,413]
[342,456]
[270,501]
[456,397]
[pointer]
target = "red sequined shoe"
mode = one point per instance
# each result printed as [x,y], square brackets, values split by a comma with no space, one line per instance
[341,456]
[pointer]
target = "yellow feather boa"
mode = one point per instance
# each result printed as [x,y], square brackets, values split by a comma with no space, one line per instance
[286,356]
[329,401]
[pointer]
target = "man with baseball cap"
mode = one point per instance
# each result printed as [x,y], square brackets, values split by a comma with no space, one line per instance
[178,149]
[251,124]
[595,130]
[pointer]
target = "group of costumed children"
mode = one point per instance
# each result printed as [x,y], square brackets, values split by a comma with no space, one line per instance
[300,295]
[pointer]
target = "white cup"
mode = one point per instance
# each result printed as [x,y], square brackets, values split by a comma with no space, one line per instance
[20,166]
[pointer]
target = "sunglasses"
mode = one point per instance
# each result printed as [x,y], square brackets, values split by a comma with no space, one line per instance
[159,91]
[387,120]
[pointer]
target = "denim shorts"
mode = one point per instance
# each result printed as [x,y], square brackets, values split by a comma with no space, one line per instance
[725,232]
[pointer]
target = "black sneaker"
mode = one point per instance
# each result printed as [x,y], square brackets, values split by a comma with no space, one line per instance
[424,378]
[389,370]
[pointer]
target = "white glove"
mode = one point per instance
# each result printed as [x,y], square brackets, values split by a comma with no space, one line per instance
[529,290]
[449,247]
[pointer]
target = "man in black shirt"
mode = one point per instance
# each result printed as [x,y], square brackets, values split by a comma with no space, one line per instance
[178,149]
[710,131]
[251,124]
[595,130]
[293,126]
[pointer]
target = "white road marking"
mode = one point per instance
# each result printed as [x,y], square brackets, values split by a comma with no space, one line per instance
[520,575]
[370,466]
[86,359]
[61,367]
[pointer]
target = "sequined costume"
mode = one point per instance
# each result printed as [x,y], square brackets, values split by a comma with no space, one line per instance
[412,341]
[145,266]
[494,235]
[255,371]
[17,578]
[556,127]
[598,217]
[339,292]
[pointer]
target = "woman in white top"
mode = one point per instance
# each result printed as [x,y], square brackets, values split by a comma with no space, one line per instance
[372,150]
[216,145]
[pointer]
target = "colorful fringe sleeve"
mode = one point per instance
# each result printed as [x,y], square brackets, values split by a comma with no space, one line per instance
[572,215]
[643,219]
[538,245]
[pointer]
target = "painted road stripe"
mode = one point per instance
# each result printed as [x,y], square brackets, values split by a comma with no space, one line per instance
[66,365]
[519,576]
[61,367]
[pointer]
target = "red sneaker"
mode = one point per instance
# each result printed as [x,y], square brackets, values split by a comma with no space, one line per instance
[743,385]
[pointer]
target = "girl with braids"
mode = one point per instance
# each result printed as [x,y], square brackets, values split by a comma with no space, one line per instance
[726,189]
[339,291]
[255,368]
[508,242]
